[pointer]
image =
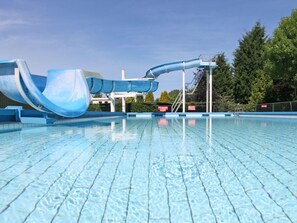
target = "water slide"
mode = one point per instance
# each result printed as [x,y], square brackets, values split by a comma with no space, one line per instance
[181,65]
[65,92]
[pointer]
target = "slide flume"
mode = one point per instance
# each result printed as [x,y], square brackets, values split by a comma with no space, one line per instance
[180,65]
[65,92]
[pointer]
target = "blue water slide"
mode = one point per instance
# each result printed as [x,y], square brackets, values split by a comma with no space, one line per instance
[97,85]
[56,93]
[65,92]
[181,65]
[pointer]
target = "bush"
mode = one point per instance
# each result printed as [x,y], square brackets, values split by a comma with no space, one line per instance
[141,107]
[94,107]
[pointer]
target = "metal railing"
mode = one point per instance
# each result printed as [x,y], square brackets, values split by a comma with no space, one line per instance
[190,89]
[288,106]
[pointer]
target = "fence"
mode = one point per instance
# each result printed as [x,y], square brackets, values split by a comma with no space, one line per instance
[289,106]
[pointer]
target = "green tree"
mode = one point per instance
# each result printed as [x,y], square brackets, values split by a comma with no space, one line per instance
[130,100]
[139,98]
[248,60]
[260,86]
[281,59]
[164,97]
[200,92]
[222,77]
[173,94]
[149,97]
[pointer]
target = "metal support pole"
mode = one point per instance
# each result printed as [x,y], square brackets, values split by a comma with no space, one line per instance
[123,98]
[123,74]
[210,88]
[112,102]
[207,91]
[184,132]
[184,91]
[123,104]
[210,134]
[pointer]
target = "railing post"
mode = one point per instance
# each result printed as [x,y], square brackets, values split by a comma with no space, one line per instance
[207,91]
[184,91]
[210,88]
[123,98]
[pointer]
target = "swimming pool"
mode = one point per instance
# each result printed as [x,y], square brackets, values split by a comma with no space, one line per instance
[151,170]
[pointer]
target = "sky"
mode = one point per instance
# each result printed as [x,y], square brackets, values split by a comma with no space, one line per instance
[107,36]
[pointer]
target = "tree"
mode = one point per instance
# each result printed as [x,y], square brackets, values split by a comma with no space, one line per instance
[222,77]
[139,98]
[164,97]
[248,60]
[281,59]
[200,92]
[149,97]
[260,86]
[173,94]
[130,100]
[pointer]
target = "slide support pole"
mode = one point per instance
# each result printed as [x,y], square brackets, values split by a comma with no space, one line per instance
[112,102]
[210,88]
[184,91]
[207,91]
[123,98]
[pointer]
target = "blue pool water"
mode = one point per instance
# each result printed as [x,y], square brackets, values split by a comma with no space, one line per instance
[150,170]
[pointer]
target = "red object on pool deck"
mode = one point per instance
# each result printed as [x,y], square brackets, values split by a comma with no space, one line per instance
[162,108]
[191,108]
[264,106]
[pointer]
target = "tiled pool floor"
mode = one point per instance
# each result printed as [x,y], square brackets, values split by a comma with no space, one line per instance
[178,170]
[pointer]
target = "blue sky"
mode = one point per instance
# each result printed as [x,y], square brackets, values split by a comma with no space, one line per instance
[107,36]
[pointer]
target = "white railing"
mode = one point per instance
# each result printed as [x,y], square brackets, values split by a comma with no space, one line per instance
[190,89]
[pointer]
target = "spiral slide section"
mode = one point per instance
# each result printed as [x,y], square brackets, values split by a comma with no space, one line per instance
[155,72]
[65,92]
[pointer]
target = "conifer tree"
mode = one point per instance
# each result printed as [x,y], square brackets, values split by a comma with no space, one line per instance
[248,60]
[222,77]
[260,86]
[173,94]
[164,97]
[149,97]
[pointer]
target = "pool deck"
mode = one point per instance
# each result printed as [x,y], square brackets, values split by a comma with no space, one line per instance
[267,114]
[9,117]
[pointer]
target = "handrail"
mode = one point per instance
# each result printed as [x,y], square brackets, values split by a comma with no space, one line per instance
[189,91]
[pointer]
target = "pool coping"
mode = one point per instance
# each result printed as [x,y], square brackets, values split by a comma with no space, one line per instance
[104,115]
[292,115]
[177,114]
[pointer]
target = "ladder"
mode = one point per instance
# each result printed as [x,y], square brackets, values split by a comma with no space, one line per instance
[190,89]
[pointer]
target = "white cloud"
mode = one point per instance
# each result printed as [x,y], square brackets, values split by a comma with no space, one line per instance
[9,19]
[12,22]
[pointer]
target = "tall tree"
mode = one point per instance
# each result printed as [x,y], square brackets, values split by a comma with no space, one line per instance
[139,98]
[260,86]
[164,97]
[248,60]
[281,59]
[149,97]
[200,92]
[222,77]
[173,94]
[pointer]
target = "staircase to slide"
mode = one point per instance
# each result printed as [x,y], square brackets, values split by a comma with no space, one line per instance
[190,89]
